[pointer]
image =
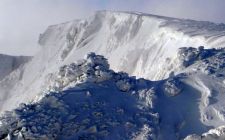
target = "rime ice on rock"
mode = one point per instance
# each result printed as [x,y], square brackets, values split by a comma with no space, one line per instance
[213,134]
[173,86]
[94,68]
[189,55]
[91,102]
[209,61]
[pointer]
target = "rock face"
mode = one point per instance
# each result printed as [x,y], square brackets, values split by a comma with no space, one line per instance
[11,63]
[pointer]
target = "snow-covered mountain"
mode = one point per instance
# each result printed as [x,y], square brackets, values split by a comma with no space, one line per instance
[140,44]
[87,100]
[181,95]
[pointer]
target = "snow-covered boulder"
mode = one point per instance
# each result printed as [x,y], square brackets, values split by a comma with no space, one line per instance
[189,55]
[209,61]
[213,134]
[93,68]
[214,63]
[173,86]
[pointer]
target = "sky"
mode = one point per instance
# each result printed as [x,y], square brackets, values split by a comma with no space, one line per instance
[22,21]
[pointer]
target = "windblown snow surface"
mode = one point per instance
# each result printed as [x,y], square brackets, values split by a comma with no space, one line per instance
[63,96]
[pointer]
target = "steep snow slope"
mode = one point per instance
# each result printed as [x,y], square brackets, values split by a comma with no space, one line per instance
[139,44]
[142,44]
[88,100]
[10,63]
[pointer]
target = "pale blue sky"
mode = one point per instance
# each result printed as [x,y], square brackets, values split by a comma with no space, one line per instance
[21,21]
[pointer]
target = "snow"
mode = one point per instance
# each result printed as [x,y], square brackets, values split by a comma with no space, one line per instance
[173,87]
[90,109]
[213,134]
[142,45]
[66,97]
[87,104]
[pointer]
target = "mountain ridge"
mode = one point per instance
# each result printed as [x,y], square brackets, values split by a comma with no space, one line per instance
[139,45]
[84,93]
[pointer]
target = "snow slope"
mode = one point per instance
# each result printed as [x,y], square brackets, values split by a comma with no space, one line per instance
[87,100]
[140,44]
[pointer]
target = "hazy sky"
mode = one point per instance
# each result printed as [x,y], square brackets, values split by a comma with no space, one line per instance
[21,21]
